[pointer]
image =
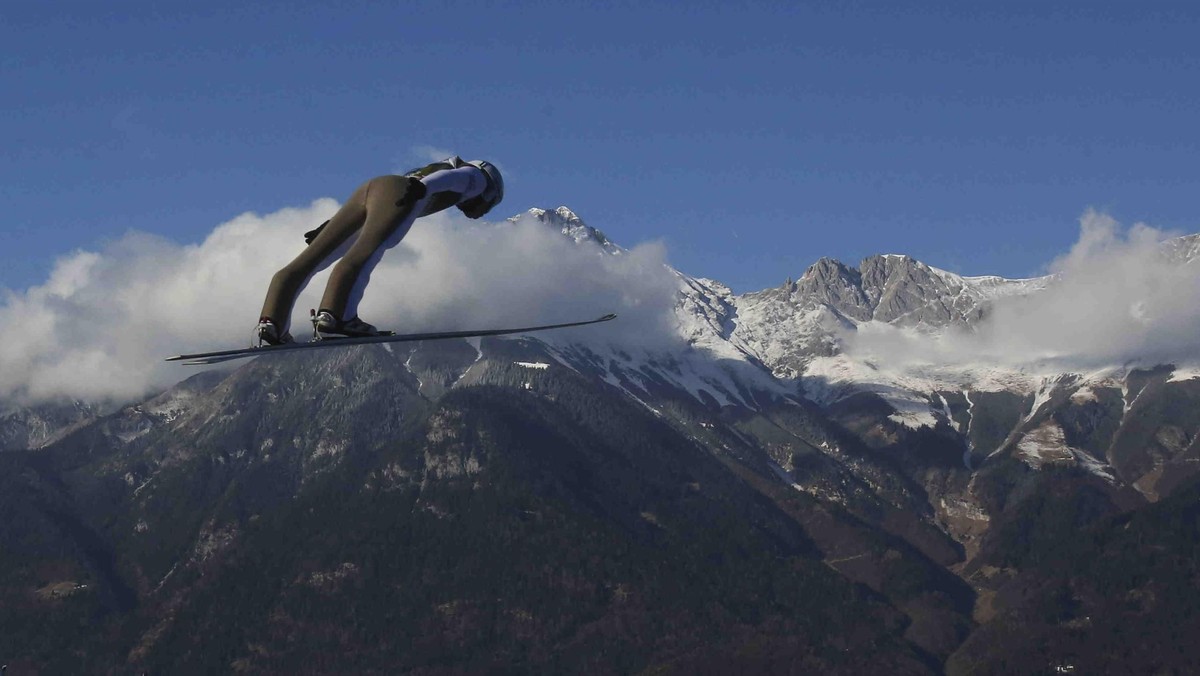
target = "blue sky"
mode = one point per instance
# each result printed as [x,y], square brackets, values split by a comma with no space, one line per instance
[751,138]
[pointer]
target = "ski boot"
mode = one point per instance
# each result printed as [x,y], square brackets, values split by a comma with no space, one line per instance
[324,322]
[268,333]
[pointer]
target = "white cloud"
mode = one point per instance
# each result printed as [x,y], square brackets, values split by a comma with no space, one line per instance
[101,324]
[1115,299]
[452,273]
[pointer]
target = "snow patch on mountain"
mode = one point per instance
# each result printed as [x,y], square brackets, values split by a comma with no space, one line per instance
[910,389]
[703,357]
[1187,372]
[1182,250]
[1041,397]
[1047,445]
[1083,395]
[912,410]
[572,226]
[710,378]
[1044,444]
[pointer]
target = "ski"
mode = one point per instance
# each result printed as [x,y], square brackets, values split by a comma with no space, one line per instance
[204,358]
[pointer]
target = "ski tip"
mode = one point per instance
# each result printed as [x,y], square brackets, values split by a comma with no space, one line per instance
[189,359]
[608,317]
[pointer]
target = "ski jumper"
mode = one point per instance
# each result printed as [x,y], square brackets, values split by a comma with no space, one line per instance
[374,219]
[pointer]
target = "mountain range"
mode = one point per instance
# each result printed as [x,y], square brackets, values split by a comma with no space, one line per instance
[755,493]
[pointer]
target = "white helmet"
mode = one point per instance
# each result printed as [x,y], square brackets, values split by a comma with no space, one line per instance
[491,195]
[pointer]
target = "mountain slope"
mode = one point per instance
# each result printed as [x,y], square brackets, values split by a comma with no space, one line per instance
[532,518]
[740,494]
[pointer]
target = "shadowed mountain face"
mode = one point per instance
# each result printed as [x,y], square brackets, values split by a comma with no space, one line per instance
[323,515]
[23,427]
[452,508]
[538,505]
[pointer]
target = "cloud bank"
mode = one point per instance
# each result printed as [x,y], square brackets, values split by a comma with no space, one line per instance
[100,326]
[1115,298]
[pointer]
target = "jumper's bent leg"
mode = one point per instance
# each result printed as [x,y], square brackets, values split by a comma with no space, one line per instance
[390,212]
[287,284]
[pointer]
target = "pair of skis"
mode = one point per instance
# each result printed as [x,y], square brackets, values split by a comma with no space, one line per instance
[203,358]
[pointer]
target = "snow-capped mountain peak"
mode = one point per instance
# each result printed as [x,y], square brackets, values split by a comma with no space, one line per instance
[571,225]
[1182,250]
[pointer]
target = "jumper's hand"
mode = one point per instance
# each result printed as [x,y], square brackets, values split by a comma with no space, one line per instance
[413,192]
[312,234]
